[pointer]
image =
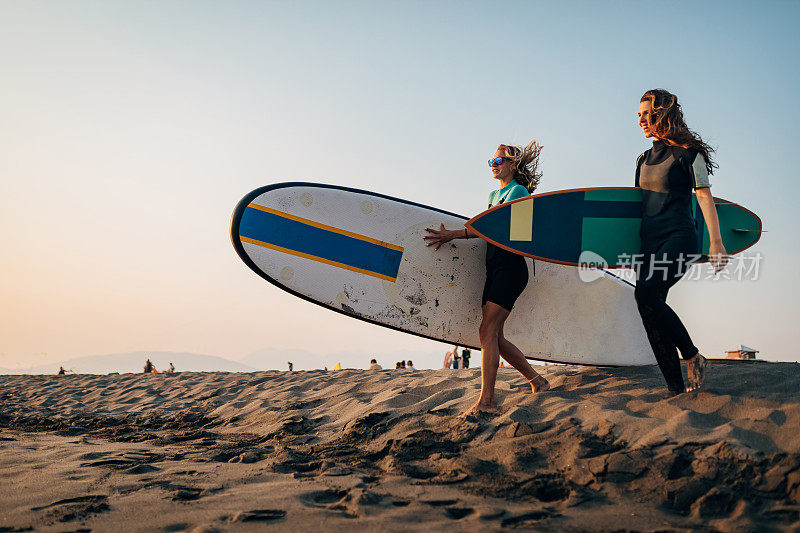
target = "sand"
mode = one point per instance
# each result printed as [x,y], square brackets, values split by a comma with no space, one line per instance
[605,450]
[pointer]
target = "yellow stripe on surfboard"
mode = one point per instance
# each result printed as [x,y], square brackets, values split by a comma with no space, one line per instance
[521,221]
[316,258]
[326,227]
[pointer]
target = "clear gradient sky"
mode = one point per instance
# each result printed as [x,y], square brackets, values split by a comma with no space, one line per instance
[130,129]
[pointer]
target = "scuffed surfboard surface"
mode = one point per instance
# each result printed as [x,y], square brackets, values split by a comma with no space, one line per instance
[363,254]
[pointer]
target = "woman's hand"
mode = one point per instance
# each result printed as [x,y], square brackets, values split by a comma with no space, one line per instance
[440,236]
[717,256]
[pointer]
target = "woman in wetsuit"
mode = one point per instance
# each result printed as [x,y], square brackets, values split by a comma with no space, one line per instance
[506,273]
[678,162]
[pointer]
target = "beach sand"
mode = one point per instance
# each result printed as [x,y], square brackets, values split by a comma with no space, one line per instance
[605,450]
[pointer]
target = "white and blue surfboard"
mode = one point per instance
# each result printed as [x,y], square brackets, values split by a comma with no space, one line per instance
[362,254]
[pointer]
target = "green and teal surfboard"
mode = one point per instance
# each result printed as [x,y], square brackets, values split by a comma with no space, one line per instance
[558,226]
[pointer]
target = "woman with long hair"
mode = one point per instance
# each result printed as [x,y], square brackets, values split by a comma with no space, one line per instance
[517,170]
[678,162]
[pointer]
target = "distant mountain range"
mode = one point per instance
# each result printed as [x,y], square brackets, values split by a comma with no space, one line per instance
[133,362]
[266,359]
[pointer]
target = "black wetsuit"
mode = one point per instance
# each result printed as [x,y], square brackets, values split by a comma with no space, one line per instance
[506,277]
[667,174]
[506,272]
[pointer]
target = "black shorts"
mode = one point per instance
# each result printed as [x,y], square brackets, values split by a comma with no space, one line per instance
[505,281]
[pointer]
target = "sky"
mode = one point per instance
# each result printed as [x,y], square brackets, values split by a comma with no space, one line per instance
[130,130]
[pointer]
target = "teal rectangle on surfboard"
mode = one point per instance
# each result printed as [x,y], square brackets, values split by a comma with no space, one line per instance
[613,195]
[607,236]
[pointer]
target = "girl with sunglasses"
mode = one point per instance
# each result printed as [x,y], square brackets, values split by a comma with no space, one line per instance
[516,168]
[678,162]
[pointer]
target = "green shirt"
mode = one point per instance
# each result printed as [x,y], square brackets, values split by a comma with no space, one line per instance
[512,191]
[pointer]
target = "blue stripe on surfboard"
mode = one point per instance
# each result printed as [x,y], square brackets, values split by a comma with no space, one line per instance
[304,238]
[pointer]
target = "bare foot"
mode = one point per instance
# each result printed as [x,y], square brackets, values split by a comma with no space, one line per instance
[482,408]
[696,372]
[539,384]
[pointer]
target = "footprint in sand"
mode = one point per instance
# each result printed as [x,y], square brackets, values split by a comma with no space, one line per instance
[547,487]
[76,508]
[308,404]
[186,494]
[94,455]
[141,469]
[118,463]
[450,511]
[259,515]
[490,513]
[332,500]
[323,498]
[368,497]
[457,513]
[245,457]
[440,503]
[531,519]
[175,527]
[335,471]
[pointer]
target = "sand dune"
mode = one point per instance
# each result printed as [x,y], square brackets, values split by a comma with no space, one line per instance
[604,450]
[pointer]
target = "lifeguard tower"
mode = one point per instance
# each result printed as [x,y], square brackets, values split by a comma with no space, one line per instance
[745,353]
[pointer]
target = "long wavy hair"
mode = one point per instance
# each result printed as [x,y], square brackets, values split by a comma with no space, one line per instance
[668,123]
[526,163]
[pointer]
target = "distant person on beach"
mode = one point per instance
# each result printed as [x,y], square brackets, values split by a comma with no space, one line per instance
[373,365]
[149,368]
[171,369]
[465,355]
[410,365]
[448,358]
[517,170]
[61,371]
[678,162]
[456,360]
[291,366]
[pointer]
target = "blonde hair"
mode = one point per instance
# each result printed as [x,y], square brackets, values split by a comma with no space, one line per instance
[526,163]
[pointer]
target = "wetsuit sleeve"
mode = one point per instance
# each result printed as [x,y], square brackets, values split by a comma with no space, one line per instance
[699,172]
[638,166]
